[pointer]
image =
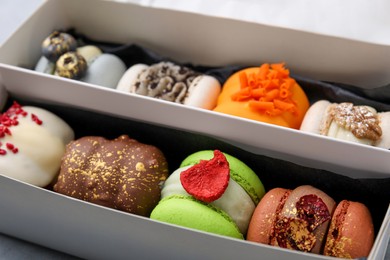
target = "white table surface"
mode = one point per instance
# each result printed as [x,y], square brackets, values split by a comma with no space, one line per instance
[12,14]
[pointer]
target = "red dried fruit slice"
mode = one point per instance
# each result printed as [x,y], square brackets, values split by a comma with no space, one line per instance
[207,180]
[313,209]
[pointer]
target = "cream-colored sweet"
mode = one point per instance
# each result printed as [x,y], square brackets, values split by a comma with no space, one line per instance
[171,82]
[31,150]
[89,52]
[235,201]
[384,141]
[359,124]
[128,79]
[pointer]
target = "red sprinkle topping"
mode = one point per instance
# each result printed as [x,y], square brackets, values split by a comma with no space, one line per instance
[9,119]
[36,119]
[207,180]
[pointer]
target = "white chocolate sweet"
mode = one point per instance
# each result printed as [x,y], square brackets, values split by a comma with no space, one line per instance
[359,124]
[171,82]
[45,66]
[128,79]
[89,52]
[105,70]
[203,92]
[31,149]
[235,201]
[384,121]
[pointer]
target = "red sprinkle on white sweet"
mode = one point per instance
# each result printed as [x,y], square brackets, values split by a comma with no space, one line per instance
[207,180]
[36,119]
[9,119]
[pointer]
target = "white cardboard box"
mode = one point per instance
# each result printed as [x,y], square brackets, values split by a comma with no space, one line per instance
[185,37]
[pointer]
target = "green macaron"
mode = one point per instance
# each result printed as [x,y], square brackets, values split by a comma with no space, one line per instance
[229,213]
[188,212]
[239,171]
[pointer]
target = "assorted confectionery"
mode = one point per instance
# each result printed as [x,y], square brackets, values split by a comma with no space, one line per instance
[211,191]
[266,93]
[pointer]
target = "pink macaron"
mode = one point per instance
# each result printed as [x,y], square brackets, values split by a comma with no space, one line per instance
[308,220]
[351,232]
[261,228]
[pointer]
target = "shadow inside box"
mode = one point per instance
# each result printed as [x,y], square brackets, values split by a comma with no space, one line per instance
[177,144]
[131,54]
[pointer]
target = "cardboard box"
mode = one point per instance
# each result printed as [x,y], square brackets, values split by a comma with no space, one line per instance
[92,231]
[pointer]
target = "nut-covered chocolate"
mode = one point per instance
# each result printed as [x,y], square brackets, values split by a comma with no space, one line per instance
[122,173]
[56,44]
[71,65]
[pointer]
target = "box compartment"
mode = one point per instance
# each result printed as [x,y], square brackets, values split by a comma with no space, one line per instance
[94,232]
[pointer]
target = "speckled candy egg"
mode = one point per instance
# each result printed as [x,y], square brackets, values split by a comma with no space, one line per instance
[56,44]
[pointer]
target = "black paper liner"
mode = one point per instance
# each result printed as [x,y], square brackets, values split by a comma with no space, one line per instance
[273,172]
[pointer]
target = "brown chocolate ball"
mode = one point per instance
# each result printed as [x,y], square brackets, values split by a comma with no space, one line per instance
[71,65]
[123,173]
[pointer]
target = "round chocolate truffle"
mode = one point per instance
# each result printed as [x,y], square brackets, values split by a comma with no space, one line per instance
[71,65]
[56,44]
[122,173]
